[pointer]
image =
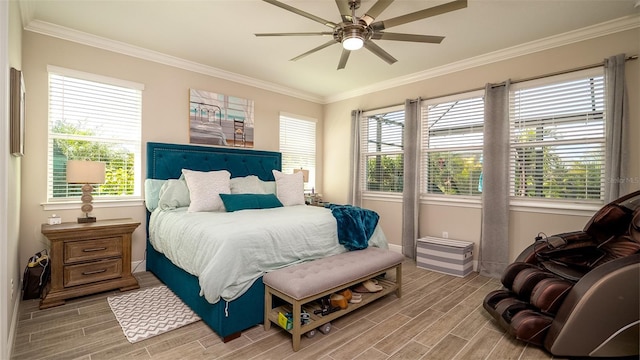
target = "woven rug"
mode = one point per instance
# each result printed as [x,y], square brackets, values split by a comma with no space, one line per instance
[150,312]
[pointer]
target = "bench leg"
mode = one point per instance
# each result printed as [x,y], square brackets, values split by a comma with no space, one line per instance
[267,308]
[296,330]
[399,280]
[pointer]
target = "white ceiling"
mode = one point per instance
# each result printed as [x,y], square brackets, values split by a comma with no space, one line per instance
[217,36]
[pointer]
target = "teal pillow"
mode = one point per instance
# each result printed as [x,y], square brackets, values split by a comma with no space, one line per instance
[235,202]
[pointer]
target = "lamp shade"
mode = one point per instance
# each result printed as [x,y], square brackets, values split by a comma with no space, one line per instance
[305,174]
[85,172]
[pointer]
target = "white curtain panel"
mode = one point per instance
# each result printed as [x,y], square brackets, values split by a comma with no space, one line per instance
[617,129]
[411,178]
[494,239]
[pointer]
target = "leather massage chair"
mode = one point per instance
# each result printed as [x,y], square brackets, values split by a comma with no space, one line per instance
[577,294]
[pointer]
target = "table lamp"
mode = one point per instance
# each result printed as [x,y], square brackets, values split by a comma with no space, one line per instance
[87,173]
[305,174]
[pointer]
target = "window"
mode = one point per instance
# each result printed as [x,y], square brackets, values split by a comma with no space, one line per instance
[557,137]
[452,135]
[298,146]
[94,118]
[382,148]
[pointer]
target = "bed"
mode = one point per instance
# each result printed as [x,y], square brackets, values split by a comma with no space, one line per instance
[243,308]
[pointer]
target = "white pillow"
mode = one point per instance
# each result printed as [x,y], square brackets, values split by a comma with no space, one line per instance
[247,185]
[204,189]
[289,188]
[152,193]
[174,194]
[269,186]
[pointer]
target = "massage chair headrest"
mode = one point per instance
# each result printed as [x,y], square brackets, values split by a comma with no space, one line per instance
[634,227]
[613,219]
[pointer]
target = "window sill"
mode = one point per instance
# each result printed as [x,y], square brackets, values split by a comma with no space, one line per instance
[97,204]
[518,205]
[555,207]
[474,202]
[382,196]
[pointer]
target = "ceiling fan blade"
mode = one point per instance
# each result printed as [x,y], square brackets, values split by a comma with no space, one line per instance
[376,10]
[379,52]
[419,15]
[328,43]
[343,58]
[345,12]
[296,34]
[407,37]
[301,13]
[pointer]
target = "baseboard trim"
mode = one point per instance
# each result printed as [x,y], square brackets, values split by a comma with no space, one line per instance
[14,324]
[139,266]
[395,248]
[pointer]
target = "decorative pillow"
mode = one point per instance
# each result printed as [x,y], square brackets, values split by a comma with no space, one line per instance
[247,185]
[235,202]
[152,193]
[204,189]
[174,194]
[289,188]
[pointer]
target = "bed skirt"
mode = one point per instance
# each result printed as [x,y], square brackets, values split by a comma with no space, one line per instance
[225,318]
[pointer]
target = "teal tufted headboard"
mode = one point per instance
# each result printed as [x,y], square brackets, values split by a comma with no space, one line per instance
[166,161]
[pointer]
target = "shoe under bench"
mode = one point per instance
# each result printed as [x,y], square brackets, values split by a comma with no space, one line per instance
[299,286]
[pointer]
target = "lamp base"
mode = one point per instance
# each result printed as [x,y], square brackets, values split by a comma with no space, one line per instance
[86,219]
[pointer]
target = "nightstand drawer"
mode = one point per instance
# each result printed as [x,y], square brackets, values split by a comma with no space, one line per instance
[92,272]
[77,251]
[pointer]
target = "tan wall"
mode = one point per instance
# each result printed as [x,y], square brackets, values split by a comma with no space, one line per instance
[464,222]
[164,119]
[11,269]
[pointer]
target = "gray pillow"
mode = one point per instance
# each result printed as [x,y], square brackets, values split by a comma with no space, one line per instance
[174,194]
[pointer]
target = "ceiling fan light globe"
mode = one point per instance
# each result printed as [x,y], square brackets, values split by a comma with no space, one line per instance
[352,43]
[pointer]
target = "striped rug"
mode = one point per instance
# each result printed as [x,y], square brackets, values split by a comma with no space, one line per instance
[150,312]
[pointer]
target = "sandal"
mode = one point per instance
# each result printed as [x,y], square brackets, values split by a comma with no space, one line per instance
[367,287]
[356,298]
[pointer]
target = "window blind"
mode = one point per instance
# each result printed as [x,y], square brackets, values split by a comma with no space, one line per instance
[94,120]
[298,146]
[558,137]
[382,150]
[452,138]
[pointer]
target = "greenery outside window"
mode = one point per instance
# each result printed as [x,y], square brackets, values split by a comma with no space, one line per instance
[298,146]
[558,137]
[382,150]
[452,140]
[94,118]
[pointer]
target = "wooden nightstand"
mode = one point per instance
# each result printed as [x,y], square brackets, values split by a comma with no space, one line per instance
[89,258]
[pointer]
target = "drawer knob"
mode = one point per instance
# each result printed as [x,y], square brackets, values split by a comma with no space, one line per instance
[94,272]
[94,249]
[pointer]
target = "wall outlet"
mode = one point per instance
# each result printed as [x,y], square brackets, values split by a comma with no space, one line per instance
[445,235]
[12,288]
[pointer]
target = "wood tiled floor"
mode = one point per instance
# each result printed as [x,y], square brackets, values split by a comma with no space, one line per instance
[438,317]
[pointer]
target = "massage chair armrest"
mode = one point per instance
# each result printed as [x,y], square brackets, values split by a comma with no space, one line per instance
[597,317]
[574,238]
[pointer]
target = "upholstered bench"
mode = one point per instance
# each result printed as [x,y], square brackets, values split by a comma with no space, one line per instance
[299,285]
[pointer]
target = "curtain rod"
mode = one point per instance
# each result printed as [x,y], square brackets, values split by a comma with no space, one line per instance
[561,72]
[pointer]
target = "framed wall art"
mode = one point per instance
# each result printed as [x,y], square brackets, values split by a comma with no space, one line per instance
[16,113]
[218,119]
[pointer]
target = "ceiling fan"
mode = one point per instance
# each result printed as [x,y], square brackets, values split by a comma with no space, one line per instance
[354,32]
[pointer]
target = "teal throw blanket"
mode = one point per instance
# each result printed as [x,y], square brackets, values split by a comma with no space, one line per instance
[355,225]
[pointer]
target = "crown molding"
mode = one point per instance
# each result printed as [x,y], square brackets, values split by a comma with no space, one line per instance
[590,32]
[64,33]
[26,11]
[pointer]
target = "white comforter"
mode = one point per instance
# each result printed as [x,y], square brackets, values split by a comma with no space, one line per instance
[229,251]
